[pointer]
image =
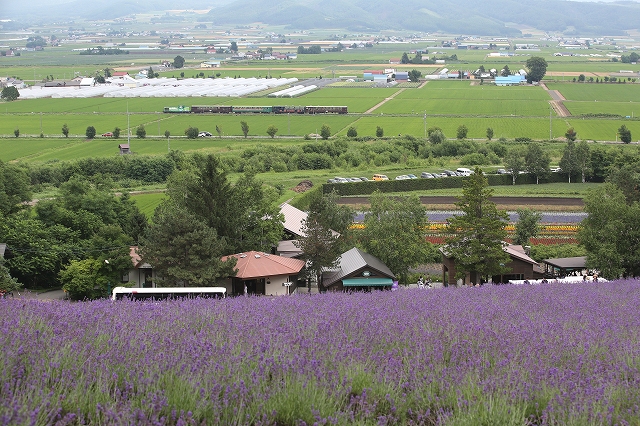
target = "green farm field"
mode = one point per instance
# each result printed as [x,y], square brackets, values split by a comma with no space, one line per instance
[461,98]
[147,202]
[603,92]
[624,109]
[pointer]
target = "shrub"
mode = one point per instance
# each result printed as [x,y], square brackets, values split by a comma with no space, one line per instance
[379,132]
[192,132]
[90,132]
[141,133]
[116,132]
[352,132]
[325,132]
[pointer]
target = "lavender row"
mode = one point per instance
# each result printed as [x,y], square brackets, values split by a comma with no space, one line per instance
[552,354]
[547,217]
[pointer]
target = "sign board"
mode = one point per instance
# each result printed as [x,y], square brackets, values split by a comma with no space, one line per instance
[287,284]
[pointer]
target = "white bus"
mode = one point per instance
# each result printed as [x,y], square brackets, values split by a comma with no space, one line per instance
[160,293]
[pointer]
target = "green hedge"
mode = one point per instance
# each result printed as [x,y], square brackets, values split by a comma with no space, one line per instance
[366,188]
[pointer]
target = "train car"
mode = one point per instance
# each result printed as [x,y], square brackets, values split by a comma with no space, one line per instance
[279,109]
[325,110]
[181,109]
[252,109]
[211,109]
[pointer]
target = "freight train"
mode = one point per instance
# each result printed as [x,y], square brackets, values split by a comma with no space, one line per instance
[276,109]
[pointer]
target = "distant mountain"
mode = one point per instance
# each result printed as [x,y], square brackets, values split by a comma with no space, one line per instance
[451,16]
[482,17]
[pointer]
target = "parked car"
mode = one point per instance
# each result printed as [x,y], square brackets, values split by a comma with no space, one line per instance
[339,179]
[331,181]
[378,177]
[108,134]
[426,175]
[412,176]
[204,135]
[354,179]
[555,170]
[364,179]
[449,173]
[463,171]
[501,171]
[402,177]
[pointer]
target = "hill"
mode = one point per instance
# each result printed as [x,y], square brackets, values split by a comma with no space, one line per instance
[450,16]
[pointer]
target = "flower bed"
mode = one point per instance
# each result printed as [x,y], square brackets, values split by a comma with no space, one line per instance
[552,354]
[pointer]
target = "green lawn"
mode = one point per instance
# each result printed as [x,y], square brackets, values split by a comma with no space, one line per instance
[147,202]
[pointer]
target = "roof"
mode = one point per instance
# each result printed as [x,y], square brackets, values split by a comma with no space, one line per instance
[293,219]
[519,253]
[255,264]
[352,261]
[579,262]
[288,248]
[136,260]
[119,73]
[123,146]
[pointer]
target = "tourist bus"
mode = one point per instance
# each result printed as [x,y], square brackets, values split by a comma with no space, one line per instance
[161,293]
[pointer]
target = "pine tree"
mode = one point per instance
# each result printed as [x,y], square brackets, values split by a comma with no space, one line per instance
[479,233]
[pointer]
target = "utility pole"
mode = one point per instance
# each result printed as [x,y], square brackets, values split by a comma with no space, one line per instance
[425,124]
[550,128]
[128,130]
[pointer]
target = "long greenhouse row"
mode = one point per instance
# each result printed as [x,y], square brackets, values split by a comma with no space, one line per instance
[161,88]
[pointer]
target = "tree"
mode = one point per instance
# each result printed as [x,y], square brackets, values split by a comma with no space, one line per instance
[478,233]
[527,226]
[219,131]
[506,72]
[625,134]
[581,78]
[178,62]
[394,232]
[90,132]
[82,279]
[352,132]
[245,214]
[167,134]
[379,132]
[192,132]
[514,162]
[14,189]
[571,134]
[536,161]
[7,283]
[16,133]
[184,250]
[583,157]
[462,131]
[611,232]
[414,75]
[234,46]
[568,162]
[536,68]
[150,73]
[272,130]
[489,133]
[116,132]
[10,93]
[65,130]
[325,132]
[436,136]
[324,232]
[98,79]
[141,133]
[405,58]
[245,128]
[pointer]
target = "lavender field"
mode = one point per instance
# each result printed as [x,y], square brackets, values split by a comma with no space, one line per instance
[513,355]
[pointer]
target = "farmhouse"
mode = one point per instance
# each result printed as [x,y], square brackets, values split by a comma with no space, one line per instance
[141,274]
[263,274]
[357,271]
[521,267]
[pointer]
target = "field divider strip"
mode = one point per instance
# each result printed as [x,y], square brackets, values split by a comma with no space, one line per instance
[370,110]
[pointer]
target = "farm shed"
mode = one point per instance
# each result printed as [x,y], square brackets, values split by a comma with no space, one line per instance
[124,148]
[512,80]
[521,267]
[357,271]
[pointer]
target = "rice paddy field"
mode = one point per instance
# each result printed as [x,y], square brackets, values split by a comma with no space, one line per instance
[509,355]
[462,98]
